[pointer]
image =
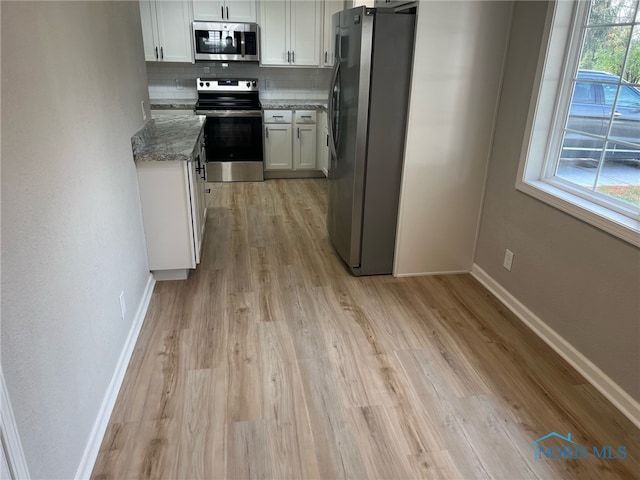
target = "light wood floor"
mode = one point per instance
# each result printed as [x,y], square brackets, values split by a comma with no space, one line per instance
[271,361]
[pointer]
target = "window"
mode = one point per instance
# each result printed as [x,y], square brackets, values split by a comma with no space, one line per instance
[584,150]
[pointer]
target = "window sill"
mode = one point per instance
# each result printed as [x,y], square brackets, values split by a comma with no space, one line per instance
[600,217]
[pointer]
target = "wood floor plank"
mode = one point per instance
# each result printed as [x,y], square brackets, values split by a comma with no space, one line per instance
[244,401]
[384,453]
[434,466]
[117,446]
[337,451]
[272,361]
[248,453]
[194,448]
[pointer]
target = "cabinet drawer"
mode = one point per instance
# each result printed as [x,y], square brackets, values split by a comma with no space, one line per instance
[305,116]
[277,116]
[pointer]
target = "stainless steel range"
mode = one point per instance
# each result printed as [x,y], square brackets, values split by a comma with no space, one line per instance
[233,129]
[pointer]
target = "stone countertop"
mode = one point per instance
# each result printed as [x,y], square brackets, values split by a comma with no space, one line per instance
[271,104]
[172,104]
[293,105]
[171,138]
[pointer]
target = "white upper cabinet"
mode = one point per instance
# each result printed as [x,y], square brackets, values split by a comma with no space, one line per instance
[328,37]
[274,36]
[290,32]
[166,31]
[225,10]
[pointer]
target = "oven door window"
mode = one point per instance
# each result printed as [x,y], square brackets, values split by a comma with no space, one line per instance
[218,41]
[234,139]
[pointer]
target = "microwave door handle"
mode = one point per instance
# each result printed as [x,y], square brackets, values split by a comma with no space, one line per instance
[242,45]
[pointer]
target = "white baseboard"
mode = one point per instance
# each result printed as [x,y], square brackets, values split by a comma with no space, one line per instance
[102,421]
[428,274]
[10,437]
[629,407]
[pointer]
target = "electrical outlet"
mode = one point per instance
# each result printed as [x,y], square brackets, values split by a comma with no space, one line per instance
[508,259]
[123,305]
[179,85]
[144,111]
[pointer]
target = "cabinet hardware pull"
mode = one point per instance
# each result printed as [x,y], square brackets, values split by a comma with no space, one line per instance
[207,190]
[327,140]
[227,13]
[156,53]
[293,57]
[222,12]
[288,56]
[305,116]
[267,132]
[298,132]
[161,53]
[278,116]
[326,57]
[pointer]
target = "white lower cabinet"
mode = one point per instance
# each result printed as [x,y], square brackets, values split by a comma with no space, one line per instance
[277,144]
[277,140]
[322,155]
[304,143]
[173,202]
[290,139]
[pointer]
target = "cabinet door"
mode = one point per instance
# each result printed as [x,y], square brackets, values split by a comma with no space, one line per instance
[328,37]
[277,144]
[305,32]
[304,155]
[241,10]
[274,32]
[322,155]
[166,213]
[208,10]
[174,31]
[195,197]
[149,33]
[221,10]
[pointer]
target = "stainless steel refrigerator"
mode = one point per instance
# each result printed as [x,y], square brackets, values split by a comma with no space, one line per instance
[368,103]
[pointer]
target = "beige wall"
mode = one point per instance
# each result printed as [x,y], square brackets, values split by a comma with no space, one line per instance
[459,53]
[584,283]
[73,76]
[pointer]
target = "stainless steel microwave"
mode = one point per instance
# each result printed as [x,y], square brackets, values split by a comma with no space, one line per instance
[226,42]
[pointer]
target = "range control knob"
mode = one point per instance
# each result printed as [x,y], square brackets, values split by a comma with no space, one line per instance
[201,84]
[248,84]
[207,84]
[255,84]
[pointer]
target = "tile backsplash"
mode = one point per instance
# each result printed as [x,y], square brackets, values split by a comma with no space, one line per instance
[176,81]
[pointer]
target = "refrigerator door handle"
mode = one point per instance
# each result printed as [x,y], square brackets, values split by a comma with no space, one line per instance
[332,140]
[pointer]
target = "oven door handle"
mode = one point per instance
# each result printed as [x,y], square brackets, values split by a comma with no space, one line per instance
[230,113]
[242,45]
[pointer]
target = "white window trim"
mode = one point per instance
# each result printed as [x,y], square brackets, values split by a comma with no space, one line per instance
[549,72]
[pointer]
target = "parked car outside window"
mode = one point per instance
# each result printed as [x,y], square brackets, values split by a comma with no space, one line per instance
[591,113]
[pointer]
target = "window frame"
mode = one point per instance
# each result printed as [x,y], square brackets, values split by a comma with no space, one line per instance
[548,110]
